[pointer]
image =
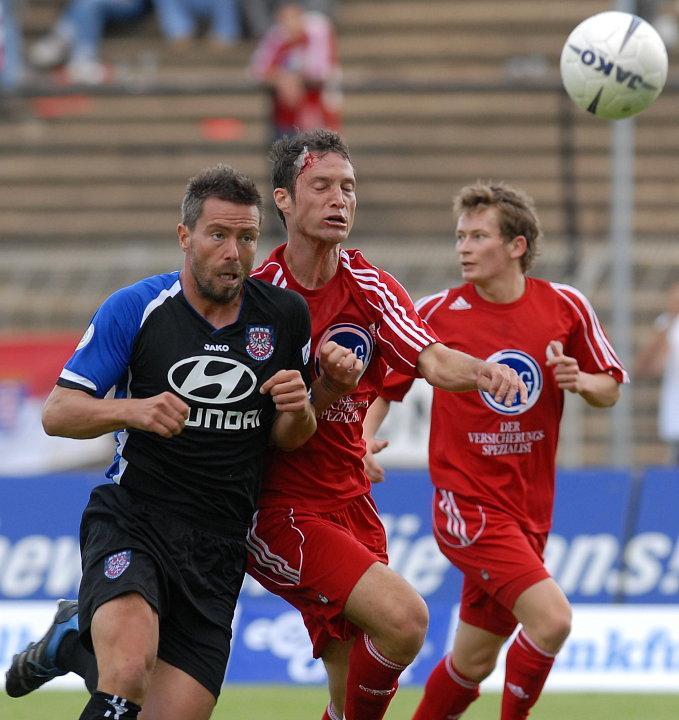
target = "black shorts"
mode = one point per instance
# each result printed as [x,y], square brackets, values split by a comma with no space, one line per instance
[190,576]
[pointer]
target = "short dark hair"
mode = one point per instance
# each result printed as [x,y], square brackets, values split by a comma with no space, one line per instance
[285,153]
[516,211]
[221,182]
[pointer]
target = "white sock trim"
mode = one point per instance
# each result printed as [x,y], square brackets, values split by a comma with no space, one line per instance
[380,658]
[468,684]
[523,640]
[332,713]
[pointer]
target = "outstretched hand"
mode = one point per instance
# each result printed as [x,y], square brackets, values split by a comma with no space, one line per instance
[502,382]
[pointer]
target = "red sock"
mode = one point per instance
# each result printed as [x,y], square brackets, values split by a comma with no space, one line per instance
[371,682]
[526,671]
[447,693]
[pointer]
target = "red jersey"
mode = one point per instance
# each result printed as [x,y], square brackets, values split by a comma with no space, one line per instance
[505,457]
[366,310]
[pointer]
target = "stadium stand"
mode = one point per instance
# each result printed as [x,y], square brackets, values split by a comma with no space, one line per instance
[433,99]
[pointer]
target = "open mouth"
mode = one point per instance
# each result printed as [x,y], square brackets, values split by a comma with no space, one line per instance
[336,221]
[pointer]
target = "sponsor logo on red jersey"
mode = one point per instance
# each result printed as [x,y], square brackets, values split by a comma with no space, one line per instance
[528,370]
[353,337]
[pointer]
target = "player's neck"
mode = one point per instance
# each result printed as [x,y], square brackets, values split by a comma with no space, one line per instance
[502,290]
[312,263]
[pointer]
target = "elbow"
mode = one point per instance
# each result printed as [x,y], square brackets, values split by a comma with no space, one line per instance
[614,397]
[606,401]
[50,420]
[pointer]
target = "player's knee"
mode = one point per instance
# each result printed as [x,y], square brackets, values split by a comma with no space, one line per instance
[408,626]
[478,668]
[560,627]
[554,628]
[127,676]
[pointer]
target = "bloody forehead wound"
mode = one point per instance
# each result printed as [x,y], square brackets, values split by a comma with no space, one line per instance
[305,160]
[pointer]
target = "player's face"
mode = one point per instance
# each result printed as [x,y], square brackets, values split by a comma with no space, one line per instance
[484,254]
[220,249]
[325,199]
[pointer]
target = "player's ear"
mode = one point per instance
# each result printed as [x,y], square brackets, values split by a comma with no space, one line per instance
[183,235]
[519,245]
[281,196]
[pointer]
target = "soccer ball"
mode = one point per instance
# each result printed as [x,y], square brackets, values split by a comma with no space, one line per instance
[614,65]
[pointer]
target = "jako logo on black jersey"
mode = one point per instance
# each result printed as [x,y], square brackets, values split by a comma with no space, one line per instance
[528,370]
[352,337]
[212,379]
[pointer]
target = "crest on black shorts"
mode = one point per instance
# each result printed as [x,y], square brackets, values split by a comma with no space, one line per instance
[259,342]
[116,564]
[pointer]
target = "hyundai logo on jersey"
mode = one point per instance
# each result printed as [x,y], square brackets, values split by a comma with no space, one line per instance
[352,337]
[211,379]
[528,370]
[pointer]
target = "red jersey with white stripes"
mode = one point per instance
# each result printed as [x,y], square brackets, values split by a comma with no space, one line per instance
[505,457]
[368,311]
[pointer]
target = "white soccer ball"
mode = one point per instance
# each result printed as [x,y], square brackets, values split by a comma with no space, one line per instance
[614,65]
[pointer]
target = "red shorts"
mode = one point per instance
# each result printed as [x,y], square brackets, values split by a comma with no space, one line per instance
[499,559]
[314,560]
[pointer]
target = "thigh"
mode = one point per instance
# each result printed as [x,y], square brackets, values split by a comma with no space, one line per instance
[380,600]
[314,561]
[114,565]
[540,600]
[191,576]
[124,628]
[175,695]
[498,558]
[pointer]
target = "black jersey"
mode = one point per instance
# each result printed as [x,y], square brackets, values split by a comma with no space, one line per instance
[146,339]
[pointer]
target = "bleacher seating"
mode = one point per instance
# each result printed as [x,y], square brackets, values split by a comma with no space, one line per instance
[437,94]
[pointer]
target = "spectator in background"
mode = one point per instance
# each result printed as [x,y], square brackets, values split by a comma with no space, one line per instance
[297,60]
[660,356]
[11,63]
[179,21]
[76,37]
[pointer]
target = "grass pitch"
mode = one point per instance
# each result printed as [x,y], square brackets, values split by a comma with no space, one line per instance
[270,702]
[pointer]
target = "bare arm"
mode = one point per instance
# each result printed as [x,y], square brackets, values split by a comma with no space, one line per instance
[375,417]
[453,370]
[372,423]
[597,389]
[75,414]
[295,420]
